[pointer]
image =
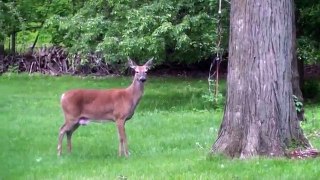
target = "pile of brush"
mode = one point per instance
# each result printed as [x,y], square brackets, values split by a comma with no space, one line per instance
[303,153]
[55,60]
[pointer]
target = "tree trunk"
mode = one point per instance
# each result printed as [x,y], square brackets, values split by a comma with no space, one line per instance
[2,47]
[300,62]
[2,53]
[13,42]
[260,117]
[35,42]
[297,77]
[301,72]
[297,82]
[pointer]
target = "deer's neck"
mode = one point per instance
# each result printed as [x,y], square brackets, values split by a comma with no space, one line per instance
[136,88]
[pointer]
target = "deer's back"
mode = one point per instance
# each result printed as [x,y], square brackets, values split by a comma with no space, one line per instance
[94,104]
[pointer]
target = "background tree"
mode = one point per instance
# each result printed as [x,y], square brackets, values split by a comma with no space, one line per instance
[171,31]
[20,18]
[260,117]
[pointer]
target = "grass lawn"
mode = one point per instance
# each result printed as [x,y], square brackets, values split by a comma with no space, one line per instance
[169,136]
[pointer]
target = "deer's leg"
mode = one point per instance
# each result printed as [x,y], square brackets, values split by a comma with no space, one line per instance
[69,135]
[61,135]
[64,128]
[123,148]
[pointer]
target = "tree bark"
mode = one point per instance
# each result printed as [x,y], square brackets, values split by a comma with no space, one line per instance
[297,76]
[260,117]
[13,42]
[2,47]
[300,62]
[2,53]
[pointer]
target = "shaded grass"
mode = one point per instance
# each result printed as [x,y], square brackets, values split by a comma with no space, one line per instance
[169,137]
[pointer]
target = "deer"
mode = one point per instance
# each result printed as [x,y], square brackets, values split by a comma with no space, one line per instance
[80,106]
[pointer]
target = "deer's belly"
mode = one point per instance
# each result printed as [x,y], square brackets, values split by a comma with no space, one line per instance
[85,121]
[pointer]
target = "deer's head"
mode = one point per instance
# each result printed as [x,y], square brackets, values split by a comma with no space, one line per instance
[140,71]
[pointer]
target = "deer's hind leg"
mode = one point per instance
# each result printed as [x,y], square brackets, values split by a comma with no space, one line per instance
[69,135]
[67,127]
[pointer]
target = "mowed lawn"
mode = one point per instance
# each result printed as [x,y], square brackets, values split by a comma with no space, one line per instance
[169,137]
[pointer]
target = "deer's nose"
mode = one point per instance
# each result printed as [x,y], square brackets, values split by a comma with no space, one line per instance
[142,79]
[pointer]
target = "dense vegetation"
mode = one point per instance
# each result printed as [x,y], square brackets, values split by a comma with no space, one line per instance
[168,30]
[169,136]
[179,31]
[308,32]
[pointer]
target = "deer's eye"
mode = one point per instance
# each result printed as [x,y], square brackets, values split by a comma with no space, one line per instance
[137,72]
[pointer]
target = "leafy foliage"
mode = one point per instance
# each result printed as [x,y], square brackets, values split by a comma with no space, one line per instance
[22,15]
[10,17]
[297,103]
[170,31]
[308,31]
[308,50]
[180,31]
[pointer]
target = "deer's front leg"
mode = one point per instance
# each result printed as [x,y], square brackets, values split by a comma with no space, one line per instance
[123,148]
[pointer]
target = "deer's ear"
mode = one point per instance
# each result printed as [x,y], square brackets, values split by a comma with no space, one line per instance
[148,64]
[131,63]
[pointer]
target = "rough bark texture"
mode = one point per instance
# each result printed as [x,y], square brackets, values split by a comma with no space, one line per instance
[260,117]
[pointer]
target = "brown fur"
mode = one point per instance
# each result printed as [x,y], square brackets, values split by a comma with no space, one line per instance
[116,105]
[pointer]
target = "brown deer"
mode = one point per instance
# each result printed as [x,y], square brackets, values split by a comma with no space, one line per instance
[81,106]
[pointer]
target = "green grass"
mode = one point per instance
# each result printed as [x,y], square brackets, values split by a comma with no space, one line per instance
[169,136]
